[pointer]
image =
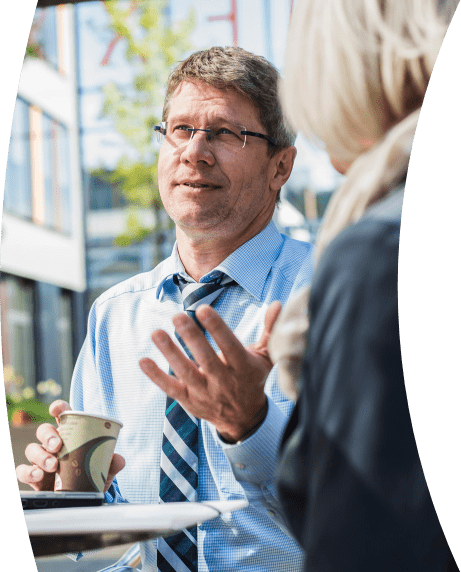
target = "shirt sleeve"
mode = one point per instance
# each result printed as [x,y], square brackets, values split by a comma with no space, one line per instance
[113,494]
[254,461]
[85,390]
[84,373]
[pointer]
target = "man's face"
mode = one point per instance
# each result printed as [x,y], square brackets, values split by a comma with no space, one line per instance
[209,192]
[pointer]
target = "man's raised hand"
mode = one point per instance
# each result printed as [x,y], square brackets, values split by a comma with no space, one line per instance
[226,389]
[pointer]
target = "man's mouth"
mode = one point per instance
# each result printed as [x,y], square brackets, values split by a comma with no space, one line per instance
[199,185]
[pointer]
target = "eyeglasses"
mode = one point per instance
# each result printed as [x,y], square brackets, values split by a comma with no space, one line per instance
[223,134]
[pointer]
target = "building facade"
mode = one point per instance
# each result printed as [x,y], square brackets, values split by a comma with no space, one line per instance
[42,247]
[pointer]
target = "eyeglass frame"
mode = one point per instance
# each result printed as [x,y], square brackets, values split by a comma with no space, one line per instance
[161,128]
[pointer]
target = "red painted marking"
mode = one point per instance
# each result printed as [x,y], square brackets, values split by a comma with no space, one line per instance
[232,18]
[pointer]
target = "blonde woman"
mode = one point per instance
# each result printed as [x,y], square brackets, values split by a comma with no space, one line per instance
[349,474]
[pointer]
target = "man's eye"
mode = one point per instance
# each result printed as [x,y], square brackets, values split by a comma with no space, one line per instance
[181,127]
[227,132]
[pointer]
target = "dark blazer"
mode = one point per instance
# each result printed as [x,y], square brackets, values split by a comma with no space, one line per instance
[350,477]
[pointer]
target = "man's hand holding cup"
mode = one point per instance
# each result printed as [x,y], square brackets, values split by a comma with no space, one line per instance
[41,474]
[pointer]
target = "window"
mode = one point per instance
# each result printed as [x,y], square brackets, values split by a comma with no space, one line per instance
[43,39]
[17,326]
[37,334]
[37,184]
[64,327]
[63,179]
[48,39]
[49,170]
[103,194]
[18,195]
[56,187]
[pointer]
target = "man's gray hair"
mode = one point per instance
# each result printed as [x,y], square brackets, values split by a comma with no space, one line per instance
[251,75]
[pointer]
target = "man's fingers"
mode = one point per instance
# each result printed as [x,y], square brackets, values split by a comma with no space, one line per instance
[30,475]
[40,479]
[49,437]
[35,477]
[41,475]
[272,314]
[200,348]
[231,347]
[167,383]
[57,407]
[37,455]
[116,465]
[181,365]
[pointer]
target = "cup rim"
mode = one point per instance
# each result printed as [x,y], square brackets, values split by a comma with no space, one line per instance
[96,415]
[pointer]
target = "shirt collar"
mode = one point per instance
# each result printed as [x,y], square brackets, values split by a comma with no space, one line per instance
[249,265]
[170,267]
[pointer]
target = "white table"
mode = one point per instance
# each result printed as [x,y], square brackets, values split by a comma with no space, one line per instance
[60,530]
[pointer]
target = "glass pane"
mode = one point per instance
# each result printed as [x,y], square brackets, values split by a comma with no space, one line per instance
[45,34]
[65,341]
[48,169]
[18,331]
[18,195]
[63,168]
[100,194]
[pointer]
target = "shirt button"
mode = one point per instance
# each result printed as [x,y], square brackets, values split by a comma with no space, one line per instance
[271,513]
[239,466]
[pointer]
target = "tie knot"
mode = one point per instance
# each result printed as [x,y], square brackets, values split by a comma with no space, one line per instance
[196,293]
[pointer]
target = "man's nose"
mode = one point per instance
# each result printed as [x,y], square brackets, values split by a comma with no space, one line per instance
[198,149]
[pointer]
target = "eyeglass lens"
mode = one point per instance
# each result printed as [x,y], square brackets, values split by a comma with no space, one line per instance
[225,134]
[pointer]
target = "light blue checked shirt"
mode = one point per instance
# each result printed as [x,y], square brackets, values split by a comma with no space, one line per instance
[108,380]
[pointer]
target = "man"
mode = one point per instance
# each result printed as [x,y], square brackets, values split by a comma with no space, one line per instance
[225,156]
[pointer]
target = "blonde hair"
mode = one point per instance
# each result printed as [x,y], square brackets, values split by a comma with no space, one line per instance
[355,68]
[356,72]
[370,178]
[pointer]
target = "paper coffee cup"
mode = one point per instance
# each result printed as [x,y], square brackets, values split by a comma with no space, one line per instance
[88,445]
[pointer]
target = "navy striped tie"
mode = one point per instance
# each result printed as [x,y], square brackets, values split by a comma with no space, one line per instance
[179,458]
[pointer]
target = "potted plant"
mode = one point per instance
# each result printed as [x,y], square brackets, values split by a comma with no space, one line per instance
[23,405]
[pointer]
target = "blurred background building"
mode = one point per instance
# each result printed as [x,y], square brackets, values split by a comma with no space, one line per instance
[42,246]
[73,226]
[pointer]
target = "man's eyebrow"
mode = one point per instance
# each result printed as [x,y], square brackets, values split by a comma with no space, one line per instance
[212,121]
[221,119]
[179,119]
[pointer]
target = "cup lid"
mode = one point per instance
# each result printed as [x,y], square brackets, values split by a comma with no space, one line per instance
[96,415]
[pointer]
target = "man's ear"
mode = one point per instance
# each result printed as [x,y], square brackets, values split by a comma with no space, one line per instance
[282,166]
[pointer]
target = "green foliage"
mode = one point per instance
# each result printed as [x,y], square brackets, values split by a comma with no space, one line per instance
[153,49]
[135,231]
[21,397]
[37,410]
[32,51]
